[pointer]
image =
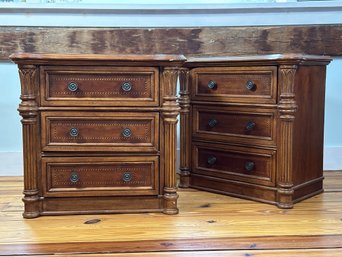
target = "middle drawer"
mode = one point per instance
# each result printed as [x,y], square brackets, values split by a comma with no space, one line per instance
[242,125]
[100,131]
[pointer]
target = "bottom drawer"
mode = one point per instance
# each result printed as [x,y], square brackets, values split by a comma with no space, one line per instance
[98,176]
[256,166]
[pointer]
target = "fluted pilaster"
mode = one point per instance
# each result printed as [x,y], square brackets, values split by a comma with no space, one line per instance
[28,109]
[170,111]
[287,110]
[185,131]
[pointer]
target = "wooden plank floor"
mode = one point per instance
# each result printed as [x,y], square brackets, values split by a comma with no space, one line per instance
[208,225]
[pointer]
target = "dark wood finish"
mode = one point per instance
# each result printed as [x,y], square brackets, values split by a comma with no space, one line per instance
[170,110]
[100,176]
[185,139]
[295,137]
[257,60]
[309,39]
[28,109]
[231,163]
[230,84]
[104,59]
[234,124]
[66,171]
[99,86]
[264,194]
[100,131]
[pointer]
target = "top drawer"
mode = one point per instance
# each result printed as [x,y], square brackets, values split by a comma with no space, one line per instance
[99,86]
[235,84]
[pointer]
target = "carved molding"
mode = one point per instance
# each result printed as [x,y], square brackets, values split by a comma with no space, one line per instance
[184,98]
[170,110]
[28,109]
[287,103]
[287,109]
[185,134]
[170,107]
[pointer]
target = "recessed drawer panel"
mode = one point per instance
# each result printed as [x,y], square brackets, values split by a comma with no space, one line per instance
[89,131]
[235,163]
[94,176]
[240,125]
[98,86]
[245,84]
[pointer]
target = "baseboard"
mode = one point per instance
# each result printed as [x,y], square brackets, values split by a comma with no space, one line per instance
[332,158]
[11,163]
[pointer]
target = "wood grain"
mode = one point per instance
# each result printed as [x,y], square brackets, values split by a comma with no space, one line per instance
[256,253]
[310,39]
[215,224]
[289,84]
[65,185]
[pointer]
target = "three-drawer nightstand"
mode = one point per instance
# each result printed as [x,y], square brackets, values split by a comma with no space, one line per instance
[252,126]
[99,133]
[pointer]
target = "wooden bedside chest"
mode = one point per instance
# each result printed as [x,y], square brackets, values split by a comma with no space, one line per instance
[252,127]
[99,133]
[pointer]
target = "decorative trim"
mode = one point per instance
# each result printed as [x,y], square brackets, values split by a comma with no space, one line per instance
[170,111]
[185,134]
[287,108]
[28,109]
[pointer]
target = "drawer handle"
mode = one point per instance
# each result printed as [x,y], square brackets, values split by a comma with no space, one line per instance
[250,125]
[212,84]
[127,177]
[212,123]
[250,85]
[127,132]
[74,177]
[126,86]
[73,132]
[211,160]
[249,165]
[72,86]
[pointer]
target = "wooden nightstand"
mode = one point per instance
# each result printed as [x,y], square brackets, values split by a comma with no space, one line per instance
[99,133]
[252,127]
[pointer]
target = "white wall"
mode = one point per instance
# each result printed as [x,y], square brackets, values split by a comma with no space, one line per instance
[170,15]
[164,16]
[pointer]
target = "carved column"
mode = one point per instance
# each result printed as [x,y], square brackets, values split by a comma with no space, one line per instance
[170,111]
[28,109]
[185,132]
[287,108]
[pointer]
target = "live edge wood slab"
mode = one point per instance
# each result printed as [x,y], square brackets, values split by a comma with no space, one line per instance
[309,39]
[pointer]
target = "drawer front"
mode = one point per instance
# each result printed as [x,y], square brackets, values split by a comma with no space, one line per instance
[99,86]
[89,131]
[255,166]
[245,85]
[93,176]
[255,126]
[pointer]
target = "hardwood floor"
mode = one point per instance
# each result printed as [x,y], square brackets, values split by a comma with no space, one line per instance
[208,225]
